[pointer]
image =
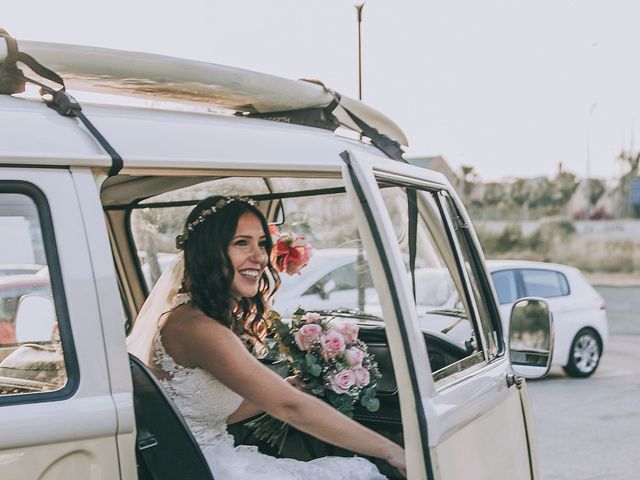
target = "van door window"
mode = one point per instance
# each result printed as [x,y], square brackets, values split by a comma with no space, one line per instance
[337,276]
[31,350]
[444,312]
[488,315]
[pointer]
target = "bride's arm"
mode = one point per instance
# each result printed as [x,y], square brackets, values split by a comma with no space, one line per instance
[247,409]
[201,341]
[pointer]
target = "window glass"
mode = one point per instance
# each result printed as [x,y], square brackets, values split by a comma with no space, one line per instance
[441,304]
[544,283]
[337,275]
[488,316]
[31,352]
[504,282]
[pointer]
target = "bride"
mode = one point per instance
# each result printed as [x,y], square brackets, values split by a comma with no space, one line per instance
[190,332]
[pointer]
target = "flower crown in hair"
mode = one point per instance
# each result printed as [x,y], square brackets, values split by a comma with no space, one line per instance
[220,204]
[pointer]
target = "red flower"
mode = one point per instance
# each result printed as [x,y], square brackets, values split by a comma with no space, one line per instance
[290,253]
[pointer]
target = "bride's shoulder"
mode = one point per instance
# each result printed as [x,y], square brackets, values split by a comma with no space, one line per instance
[185,319]
[188,325]
[187,331]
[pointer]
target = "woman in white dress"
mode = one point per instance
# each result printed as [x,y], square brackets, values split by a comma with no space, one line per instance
[191,330]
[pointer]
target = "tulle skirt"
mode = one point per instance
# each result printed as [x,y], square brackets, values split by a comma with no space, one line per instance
[246,462]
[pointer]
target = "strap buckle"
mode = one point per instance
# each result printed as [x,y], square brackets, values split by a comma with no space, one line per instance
[146,440]
[62,102]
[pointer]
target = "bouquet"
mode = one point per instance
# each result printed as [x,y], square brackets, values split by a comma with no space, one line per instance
[330,360]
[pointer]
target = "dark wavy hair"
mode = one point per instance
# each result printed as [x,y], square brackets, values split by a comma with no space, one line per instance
[208,272]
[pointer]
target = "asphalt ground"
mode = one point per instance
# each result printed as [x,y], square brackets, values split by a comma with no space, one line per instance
[589,429]
[623,310]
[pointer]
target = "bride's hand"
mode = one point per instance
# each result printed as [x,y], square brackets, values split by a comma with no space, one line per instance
[396,459]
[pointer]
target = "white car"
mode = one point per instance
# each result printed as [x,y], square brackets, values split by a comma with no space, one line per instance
[579,312]
[330,279]
[581,326]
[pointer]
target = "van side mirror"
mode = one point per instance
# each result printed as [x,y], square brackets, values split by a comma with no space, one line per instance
[531,337]
[35,319]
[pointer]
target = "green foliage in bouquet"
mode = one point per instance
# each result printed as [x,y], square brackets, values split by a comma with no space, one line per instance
[327,356]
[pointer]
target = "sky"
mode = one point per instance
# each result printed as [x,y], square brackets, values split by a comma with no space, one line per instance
[512,88]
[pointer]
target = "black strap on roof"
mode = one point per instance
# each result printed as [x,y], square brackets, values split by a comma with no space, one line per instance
[412,200]
[388,146]
[13,80]
[323,117]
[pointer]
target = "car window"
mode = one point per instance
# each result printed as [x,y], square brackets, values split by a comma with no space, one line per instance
[31,348]
[343,278]
[544,283]
[337,275]
[505,284]
[480,297]
[440,303]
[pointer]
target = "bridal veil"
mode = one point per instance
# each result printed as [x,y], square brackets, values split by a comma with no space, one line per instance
[160,301]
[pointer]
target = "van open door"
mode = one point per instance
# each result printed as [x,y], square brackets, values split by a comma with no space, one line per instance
[461,415]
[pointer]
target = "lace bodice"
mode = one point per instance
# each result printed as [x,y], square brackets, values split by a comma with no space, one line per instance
[204,401]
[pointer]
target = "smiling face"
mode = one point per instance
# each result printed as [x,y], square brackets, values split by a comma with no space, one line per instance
[248,254]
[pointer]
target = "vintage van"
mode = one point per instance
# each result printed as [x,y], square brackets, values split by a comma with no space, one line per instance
[105,190]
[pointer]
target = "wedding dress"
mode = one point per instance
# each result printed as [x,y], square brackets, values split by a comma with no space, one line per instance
[205,404]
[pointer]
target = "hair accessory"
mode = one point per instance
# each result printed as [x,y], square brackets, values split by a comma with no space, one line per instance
[219,205]
[291,252]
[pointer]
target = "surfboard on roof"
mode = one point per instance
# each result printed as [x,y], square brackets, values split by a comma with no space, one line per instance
[160,77]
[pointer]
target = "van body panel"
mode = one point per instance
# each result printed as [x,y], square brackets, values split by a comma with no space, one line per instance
[165,139]
[79,459]
[53,431]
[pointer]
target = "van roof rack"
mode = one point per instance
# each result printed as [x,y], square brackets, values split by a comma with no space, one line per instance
[247,93]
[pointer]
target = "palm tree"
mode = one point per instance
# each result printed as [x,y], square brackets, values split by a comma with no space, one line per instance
[633,162]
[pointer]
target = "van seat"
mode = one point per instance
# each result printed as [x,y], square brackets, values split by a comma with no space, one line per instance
[165,447]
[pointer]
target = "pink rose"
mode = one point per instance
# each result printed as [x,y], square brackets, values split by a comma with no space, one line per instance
[362,377]
[307,335]
[349,331]
[332,343]
[343,381]
[354,356]
[312,317]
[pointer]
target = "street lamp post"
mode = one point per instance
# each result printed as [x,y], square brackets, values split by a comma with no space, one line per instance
[588,184]
[359,14]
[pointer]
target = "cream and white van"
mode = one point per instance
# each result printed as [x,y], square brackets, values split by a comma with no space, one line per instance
[102,193]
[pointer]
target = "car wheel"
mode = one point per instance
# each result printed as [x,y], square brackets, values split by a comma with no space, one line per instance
[585,354]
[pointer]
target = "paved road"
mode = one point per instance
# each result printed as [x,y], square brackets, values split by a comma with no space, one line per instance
[589,429]
[623,308]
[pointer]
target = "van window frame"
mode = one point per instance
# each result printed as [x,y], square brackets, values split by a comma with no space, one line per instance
[469,365]
[50,245]
[481,274]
